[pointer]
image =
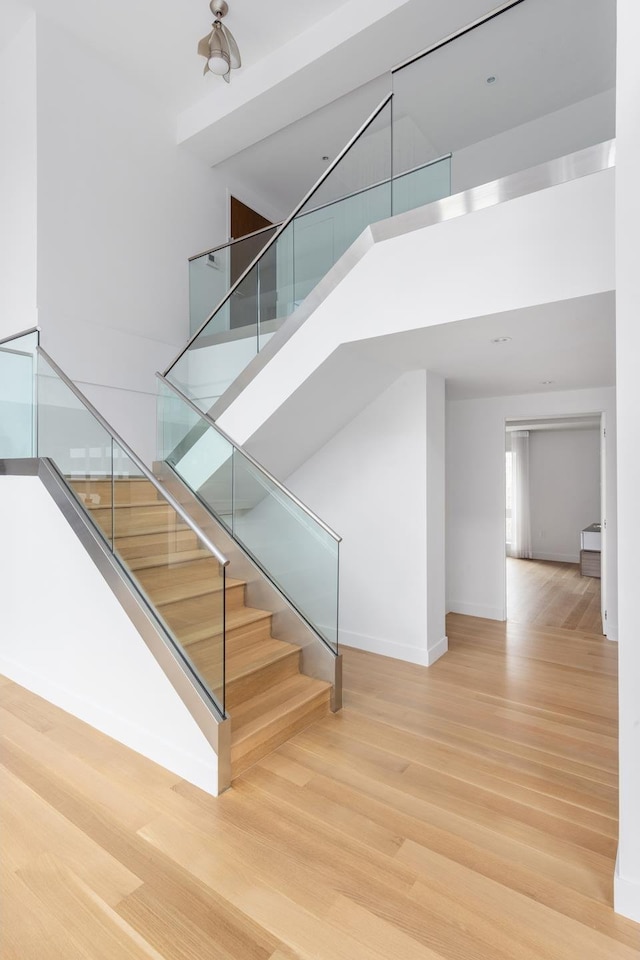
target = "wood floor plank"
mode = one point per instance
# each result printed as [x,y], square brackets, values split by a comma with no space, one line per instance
[461,812]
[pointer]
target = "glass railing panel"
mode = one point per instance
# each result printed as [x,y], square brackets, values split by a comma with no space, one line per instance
[209,280]
[298,554]
[424,185]
[474,97]
[78,444]
[17,397]
[288,543]
[212,274]
[201,456]
[321,236]
[357,192]
[223,349]
[183,582]
[353,195]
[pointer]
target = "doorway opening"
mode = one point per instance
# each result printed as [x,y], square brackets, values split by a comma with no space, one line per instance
[554,533]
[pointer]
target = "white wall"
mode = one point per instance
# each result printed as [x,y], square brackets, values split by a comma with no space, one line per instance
[627,882]
[476,494]
[564,476]
[370,483]
[552,135]
[18,244]
[120,210]
[66,638]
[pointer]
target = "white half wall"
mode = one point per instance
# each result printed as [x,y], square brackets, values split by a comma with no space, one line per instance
[564,477]
[371,482]
[476,495]
[554,244]
[65,637]
[18,226]
[627,881]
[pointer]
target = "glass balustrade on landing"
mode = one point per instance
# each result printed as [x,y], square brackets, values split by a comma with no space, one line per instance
[359,191]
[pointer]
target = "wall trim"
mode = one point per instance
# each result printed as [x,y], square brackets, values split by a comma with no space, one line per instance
[626,894]
[612,632]
[386,648]
[481,610]
[438,650]
[558,557]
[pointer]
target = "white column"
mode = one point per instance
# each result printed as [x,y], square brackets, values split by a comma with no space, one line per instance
[627,879]
[437,643]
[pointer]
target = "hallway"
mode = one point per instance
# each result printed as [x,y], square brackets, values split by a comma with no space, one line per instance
[464,812]
[547,593]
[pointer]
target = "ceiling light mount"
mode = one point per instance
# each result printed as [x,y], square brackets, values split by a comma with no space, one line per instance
[219,47]
[501,340]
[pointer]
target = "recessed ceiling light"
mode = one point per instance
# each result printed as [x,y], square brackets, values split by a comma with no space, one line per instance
[547,382]
[491,79]
[501,339]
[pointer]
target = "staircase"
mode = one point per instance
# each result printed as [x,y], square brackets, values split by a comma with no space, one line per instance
[267,697]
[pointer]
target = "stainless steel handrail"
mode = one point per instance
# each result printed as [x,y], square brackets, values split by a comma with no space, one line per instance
[201,535]
[23,333]
[485,18]
[323,206]
[204,416]
[234,240]
[284,225]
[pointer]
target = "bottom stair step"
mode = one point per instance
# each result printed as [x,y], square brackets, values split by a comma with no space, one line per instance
[263,722]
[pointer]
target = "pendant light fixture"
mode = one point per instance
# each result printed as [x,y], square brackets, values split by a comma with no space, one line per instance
[219,48]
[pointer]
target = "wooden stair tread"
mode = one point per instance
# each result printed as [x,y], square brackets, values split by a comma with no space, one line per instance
[241,663]
[255,715]
[187,580]
[235,618]
[166,596]
[170,559]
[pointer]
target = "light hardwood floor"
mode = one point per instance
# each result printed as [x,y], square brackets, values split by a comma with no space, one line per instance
[465,812]
[553,594]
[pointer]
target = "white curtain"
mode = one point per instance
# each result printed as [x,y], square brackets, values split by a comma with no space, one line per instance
[520,509]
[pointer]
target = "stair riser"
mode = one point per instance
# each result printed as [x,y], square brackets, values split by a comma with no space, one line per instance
[137,517]
[245,754]
[149,544]
[125,491]
[171,559]
[254,683]
[239,637]
[165,599]
[197,573]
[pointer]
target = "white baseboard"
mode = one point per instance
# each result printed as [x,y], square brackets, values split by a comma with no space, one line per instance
[558,557]
[626,896]
[398,651]
[477,610]
[437,651]
[142,741]
[611,631]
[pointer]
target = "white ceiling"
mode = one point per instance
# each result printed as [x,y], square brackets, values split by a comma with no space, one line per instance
[155,40]
[570,342]
[544,53]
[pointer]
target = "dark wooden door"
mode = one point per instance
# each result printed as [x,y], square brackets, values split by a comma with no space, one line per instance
[243,312]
